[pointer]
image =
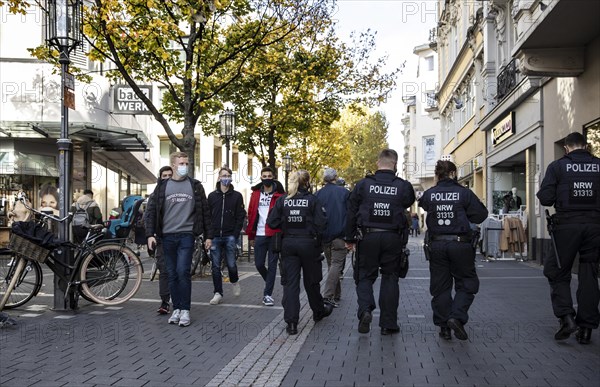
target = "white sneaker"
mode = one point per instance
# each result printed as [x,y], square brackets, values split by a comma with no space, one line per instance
[268,301]
[216,299]
[236,289]
[174,319]
[184,319]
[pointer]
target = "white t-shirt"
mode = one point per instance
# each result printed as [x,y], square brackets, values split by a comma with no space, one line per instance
[264,202]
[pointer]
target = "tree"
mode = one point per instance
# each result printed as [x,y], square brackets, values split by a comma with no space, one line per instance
[292,91]
[194,50]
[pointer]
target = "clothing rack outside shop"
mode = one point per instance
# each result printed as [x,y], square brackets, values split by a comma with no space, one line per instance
[492,248]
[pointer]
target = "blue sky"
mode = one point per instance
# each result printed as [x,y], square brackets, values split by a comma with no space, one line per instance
[401,25]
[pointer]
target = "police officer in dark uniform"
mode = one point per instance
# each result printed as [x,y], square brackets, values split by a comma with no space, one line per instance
[376,220]
[301,218]
[572,185]
[450,247]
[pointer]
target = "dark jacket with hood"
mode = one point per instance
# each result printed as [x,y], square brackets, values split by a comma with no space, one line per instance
[253,208]
[155,208]
[228,211]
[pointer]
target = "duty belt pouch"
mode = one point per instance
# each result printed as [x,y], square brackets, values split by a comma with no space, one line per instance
[403,269]
[427,246]
[276,241]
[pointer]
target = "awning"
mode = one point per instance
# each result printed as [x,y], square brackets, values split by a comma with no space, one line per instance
[111,145]
[102,137]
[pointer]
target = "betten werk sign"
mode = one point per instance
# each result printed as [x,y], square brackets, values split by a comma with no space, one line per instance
[127,102]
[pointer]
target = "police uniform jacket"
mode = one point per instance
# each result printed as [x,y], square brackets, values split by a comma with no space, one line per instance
[572,184]
[451,208]
[299,216]
[379,201]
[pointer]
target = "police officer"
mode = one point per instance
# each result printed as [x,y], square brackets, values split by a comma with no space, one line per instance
[572,185]
[376,211]
[301,217]
[450,210]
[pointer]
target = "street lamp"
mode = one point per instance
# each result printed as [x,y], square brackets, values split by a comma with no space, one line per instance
[287,167]
[227,120]
[64,32]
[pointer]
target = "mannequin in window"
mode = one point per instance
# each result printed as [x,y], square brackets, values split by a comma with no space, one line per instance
[516,199]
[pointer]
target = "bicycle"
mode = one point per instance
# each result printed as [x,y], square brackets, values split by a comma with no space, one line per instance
[104,271]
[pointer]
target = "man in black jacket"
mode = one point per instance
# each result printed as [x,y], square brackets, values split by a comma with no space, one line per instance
[178,215]
[572,186]
[228,213]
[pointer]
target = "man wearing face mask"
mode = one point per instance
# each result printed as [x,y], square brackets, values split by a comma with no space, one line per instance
[228,213]
[263,198]
[178,215]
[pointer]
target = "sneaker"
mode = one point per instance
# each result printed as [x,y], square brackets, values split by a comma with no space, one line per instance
[268,301]
[174,319]
[164,308]
[184,319]
[216,299]
[331,301]
[236,289]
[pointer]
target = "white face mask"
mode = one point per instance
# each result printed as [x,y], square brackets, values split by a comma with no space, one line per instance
[182,170]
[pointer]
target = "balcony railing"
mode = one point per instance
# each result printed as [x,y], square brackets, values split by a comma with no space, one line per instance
[507,80]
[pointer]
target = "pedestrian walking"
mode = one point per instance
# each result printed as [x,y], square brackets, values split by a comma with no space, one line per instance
[178,214]
[85,203]
[301,218]
[164,173]
[334,199]
[415,225]
[263,198]
[572,186]
[228,213]
[451,244]
[377,227]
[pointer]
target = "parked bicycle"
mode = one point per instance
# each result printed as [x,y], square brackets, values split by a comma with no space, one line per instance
[104,271]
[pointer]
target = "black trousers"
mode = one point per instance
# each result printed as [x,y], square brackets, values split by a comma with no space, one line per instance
[570,240]
[452,263]
[379,250]
[301,254]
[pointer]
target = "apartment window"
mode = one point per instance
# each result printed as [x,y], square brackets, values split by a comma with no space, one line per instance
[429,63]
[218,158]
[167,147]
[235,161]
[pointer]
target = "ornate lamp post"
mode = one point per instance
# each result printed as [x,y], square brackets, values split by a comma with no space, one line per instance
[63,31]
[227,121]
[287,167]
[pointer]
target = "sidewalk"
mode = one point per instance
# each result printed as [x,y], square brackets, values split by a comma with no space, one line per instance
[243,343]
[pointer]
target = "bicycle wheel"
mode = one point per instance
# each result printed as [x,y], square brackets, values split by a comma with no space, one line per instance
[26,287]
[111,274]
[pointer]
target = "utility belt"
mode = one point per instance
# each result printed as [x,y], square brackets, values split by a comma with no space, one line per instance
[451,237]
[367,230]
[575,219]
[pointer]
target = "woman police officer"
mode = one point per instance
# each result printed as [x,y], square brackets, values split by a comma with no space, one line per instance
[450,210]
[301,219]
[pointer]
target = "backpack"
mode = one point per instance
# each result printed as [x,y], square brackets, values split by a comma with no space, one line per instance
[81,218]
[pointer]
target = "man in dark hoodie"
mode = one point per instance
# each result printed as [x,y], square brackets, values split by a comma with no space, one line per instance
[228,213]
[263,198]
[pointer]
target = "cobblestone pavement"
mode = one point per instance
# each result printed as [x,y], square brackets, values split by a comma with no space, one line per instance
[243,343]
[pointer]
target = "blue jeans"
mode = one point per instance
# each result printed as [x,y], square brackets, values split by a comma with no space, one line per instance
[262,248]
[223,246]
[178,250]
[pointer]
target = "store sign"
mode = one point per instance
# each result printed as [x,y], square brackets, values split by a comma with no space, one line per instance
[503,129]
[127,102]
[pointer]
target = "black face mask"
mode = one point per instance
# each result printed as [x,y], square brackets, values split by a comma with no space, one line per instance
[267,182]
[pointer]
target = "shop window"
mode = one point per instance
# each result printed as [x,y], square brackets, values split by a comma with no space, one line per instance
[592,136]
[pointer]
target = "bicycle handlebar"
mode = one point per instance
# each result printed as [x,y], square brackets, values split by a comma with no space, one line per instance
[43,214]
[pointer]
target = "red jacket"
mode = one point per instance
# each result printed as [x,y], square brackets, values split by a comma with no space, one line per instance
[253,209]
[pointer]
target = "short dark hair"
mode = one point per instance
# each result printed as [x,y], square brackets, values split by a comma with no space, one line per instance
[267,169]
[163,169]
[88,192]
[575,139]
[225,169]
[443,168]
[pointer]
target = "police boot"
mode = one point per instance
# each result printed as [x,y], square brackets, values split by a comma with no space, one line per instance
[446,333]
[327,309]
[458,328]
[292,328]
[583,335]
[567,326]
